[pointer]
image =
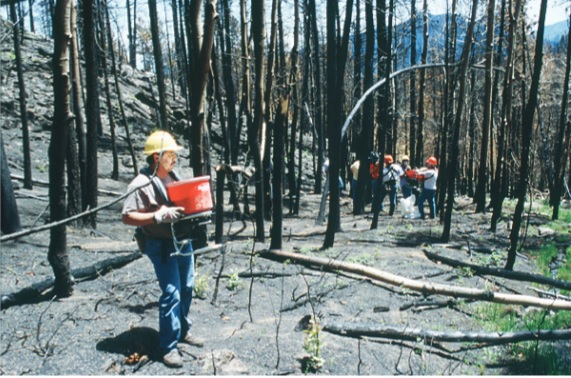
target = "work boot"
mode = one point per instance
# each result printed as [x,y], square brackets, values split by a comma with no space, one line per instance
[173,359]
[192,340]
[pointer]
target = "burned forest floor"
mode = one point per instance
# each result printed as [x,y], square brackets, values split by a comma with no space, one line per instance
[252,310]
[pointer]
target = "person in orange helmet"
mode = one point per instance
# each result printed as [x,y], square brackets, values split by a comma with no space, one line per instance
[427,177]
[408,180]
[391,175]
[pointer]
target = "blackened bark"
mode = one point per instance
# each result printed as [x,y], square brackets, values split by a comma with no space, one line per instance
[201,39]
[229,90]
[527,131]
[277,175]
[10,221]
[267,134]
[293,81]
[319,103]
[455,150]
[412,88]
[159,68]
[333,123]
[561,162]
[480,195]
[498,189]
[132,33]
[421,88]
[258,36]
[22,100]
[76,160]
[57,253]
[92,110]
[107,50]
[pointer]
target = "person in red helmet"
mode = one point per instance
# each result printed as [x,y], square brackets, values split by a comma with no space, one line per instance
[427,177]
[391,175]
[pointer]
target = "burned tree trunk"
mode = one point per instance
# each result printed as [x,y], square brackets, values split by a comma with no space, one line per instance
[561,162]
[480,195]
[421,89]
[92,111]
[454,154]
[258,35]
[57,254]
[10,220]
[527,131]
[23,99]
[497,193]
[157,52]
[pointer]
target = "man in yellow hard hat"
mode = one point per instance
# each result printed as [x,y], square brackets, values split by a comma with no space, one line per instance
[148,209]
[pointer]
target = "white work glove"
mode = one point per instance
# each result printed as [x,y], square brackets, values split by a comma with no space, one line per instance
[168,214]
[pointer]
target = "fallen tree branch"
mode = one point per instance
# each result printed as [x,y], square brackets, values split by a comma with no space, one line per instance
[450,302]
[549,294]
[34,291]
[510,274]
[421,286]
[405,333]
[17,235]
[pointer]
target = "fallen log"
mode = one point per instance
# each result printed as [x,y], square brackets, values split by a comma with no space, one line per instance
[421,286]
[34,291]
[510,274]
[431,303]
[406,333]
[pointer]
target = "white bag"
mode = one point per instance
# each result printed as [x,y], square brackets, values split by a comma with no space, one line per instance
[407,208]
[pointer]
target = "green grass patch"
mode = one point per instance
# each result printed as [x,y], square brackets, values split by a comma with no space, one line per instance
[529,356]
[538,359]
[545,255]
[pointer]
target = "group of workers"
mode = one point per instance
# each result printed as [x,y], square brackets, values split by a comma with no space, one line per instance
[421,182]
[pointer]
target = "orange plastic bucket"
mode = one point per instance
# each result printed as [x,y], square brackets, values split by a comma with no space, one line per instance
[192,194]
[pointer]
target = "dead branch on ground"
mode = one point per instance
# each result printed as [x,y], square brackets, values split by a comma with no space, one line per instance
[518,276]
[34,291]
[435,303]
[421,286]
[412,334]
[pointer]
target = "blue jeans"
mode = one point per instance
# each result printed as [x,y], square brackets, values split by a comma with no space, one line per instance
[406,191]
[176,280]
[427,195]
[392,191]
[354,190]
[375,192]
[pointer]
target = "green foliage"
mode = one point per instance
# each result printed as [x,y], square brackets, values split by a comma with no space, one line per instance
[364,258]
[313,345]
[545,255]
[539,356]
[201,286]
[233,282]
[465,271]
[493,259]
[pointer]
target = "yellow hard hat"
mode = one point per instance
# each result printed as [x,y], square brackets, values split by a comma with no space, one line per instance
[160,141]
[405,157]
